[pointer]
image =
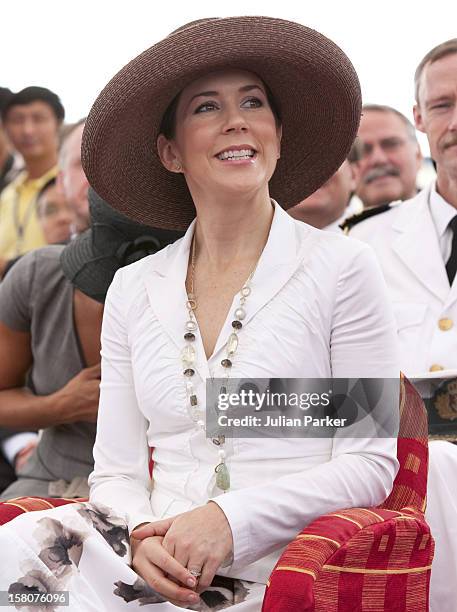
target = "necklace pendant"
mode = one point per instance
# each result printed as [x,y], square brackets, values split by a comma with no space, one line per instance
[222,476]
[219,440]
[188,355]
[232,343]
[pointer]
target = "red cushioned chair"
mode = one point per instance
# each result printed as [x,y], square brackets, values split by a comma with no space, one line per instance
[366,559]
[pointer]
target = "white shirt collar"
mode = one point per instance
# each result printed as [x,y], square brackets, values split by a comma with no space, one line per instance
[442,212]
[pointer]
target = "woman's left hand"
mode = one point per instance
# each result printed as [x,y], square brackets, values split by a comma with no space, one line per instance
[200,540]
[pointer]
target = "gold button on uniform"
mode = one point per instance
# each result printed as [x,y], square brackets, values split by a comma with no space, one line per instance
[436,368]
[445,324]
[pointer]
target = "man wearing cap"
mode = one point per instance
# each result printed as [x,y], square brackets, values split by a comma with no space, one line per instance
[389,159]
[31,119]
[416,243]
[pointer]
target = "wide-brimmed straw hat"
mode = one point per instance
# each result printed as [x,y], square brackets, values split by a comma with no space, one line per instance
[312,81]
[113,241]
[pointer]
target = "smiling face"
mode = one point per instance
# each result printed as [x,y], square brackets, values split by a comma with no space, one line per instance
[389,162]
[436,113]
[226,138]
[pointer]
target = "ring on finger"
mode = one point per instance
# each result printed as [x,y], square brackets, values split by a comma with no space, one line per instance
[195,572]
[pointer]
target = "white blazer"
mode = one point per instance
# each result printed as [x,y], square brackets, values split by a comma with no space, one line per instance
[408,250]
[318,308]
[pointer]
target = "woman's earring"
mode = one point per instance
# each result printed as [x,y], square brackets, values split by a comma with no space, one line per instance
[178,166]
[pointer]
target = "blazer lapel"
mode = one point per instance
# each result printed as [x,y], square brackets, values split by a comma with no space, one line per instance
[418,247]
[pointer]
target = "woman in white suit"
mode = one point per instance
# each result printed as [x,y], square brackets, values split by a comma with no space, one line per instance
[198,133]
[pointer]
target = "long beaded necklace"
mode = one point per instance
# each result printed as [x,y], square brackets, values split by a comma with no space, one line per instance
[188,356]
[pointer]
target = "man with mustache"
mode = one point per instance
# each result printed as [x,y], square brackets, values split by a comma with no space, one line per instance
[390,157]
[416,243]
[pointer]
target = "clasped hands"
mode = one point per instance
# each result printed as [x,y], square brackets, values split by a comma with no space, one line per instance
[164,552]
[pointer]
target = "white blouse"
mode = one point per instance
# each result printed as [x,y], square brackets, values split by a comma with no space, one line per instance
[318,308]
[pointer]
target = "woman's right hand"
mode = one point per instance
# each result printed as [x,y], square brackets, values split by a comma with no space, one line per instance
[162,572]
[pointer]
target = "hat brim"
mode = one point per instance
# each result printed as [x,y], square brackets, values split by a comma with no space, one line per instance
[311,79]
[90,274]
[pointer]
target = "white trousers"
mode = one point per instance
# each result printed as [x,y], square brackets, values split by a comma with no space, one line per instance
[441,515]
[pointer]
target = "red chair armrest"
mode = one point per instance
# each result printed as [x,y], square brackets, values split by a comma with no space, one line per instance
[14,507]
[342,558]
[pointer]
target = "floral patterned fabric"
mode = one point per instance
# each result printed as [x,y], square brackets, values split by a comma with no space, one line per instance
[84,548]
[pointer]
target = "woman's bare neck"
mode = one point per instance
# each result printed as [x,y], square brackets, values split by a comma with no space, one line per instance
[232,233]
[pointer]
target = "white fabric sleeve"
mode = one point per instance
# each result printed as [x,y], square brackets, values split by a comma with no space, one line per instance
[120,478]
[16,442]
[362,470]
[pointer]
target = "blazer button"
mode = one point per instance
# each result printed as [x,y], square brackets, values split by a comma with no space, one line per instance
[435,368]
[445,324]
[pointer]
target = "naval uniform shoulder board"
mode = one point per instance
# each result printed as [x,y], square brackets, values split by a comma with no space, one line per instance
[349,223]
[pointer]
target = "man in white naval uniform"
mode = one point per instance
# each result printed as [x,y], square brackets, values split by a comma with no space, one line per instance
[416,242]
[389,156]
